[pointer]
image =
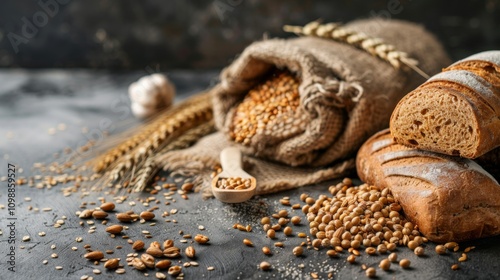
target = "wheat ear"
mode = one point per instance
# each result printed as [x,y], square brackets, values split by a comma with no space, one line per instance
[164,127]
[128,163]
[374,46]
[151,166]
[144,175]
[135,160]
[187,139]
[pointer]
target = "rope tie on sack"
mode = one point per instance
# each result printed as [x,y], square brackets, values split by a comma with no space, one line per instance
[333,93]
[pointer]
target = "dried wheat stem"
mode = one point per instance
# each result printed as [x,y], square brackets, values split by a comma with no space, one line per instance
[144,175]
[186,140]
[374,46]
[171,122]
[151,166]
[157,140]
[132,163]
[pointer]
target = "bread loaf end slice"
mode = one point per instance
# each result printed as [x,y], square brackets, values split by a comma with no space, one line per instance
[454,113]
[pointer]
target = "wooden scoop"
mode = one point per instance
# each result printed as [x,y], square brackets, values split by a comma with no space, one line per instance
[230,159]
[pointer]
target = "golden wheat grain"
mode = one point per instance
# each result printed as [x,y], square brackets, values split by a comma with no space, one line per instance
[374,46]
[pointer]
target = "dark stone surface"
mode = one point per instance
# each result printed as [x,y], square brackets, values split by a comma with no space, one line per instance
[128,34]
[31,102]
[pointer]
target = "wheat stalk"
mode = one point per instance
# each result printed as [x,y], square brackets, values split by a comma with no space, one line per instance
[166,126]
[374,46]
[145,175]
[151,166]
[136,157]
[163,126]
[132,162]
[187,139]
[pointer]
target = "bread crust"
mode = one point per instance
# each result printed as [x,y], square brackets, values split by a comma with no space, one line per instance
[449,198]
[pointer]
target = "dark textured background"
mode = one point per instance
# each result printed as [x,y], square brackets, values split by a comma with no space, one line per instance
[161,35]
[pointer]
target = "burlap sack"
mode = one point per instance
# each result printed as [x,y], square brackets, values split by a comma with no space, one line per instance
[347,94]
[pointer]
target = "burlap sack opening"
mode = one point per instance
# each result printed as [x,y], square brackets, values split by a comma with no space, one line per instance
[348,95]
[325,93]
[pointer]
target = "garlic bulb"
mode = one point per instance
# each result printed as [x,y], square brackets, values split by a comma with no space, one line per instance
[150,94]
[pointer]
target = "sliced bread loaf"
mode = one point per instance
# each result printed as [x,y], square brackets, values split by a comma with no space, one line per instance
[456,112]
